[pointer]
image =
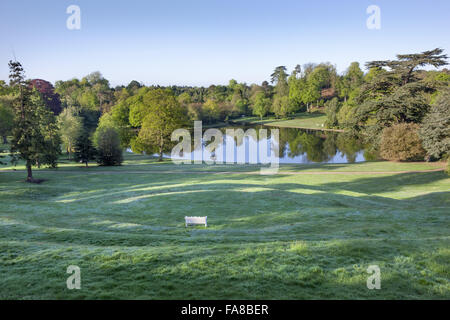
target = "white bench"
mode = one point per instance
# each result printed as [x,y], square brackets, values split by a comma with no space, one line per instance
[195,221]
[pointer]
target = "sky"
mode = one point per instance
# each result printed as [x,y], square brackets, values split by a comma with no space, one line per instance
[203,42]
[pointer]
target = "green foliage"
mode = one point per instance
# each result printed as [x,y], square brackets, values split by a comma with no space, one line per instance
[405,66]
[6,120]
[401,142]
[164,115]
[195,111]
[139,106]
[210,111]
[184,99]
[405,104]
[346,115]
[70,128]
[109,151]
[311,93]
[323,76]
[84,149]
[92,96]
[331,110]
[35,135]
[279,76]
[296,87]
[280,106]
[350,82]
[261,104]
[435,128]
[133,86]
[239,98]
[395,93]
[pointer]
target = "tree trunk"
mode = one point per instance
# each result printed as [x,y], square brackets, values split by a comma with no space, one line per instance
[5,141]
[29,172]
[161,145]
[86,164]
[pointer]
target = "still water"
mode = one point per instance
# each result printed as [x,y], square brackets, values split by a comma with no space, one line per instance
[295,146]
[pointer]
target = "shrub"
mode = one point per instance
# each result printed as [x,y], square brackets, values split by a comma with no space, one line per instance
[109,152]
[401,142]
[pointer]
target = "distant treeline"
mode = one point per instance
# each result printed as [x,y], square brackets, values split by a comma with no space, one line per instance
[400,107]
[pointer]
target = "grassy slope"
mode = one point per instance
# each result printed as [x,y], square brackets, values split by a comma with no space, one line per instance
[275,237]
[302,120]
[146,163]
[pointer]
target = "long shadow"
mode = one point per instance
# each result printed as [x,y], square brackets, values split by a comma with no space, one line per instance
[340,231]
[274,211]
[387,183]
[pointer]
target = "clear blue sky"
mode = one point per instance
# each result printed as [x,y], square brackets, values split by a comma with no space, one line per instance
[200,42]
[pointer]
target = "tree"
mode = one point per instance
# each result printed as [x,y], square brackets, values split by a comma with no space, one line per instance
[164,116]
[49,96]
[279,74]
[107,141]
[211,112]
[280,106]
[406,64]
[311,93]
[92,96]
[70,128]
[279,77]
[184,99]
[351,81]
[134,86]
[261,104]
[84,149]
[395,93]
[322,76]
[296,89]
[35,137]
[239,97]
[119,116]
[435,128]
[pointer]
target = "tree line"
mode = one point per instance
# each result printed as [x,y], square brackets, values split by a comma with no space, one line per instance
[395,100]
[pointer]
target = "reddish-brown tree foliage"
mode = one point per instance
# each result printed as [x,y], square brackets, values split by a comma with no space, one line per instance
[48,94]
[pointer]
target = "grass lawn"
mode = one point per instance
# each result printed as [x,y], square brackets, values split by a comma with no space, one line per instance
[286,236]
[313,120]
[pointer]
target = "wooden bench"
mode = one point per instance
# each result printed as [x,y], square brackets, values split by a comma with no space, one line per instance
[195,221]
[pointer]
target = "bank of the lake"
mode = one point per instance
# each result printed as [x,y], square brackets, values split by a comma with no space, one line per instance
[309,121]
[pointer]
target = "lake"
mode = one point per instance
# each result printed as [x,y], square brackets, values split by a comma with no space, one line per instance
[295,146]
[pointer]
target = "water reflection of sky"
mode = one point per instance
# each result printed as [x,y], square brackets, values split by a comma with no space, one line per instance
[251,151]
[339,157]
